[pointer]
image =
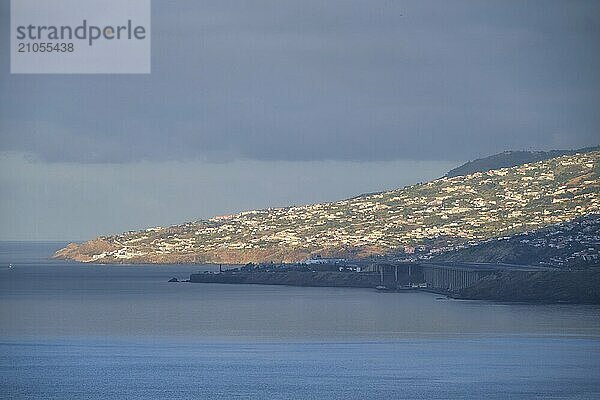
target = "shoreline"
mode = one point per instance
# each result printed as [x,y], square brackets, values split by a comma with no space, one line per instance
[573,287]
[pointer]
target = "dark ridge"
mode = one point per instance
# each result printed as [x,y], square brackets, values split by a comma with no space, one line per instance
[509,159]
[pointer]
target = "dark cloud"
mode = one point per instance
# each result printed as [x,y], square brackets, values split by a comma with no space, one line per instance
[314,80]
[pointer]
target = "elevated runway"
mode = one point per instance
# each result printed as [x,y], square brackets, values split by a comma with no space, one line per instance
[444,276]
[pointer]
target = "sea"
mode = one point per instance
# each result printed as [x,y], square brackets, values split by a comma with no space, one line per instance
[84,331]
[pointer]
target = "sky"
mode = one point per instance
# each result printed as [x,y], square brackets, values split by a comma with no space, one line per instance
[273,103]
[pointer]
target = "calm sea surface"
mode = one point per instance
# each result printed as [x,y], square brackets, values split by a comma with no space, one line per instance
[72,331]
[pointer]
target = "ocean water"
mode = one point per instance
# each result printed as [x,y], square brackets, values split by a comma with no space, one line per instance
[123,332]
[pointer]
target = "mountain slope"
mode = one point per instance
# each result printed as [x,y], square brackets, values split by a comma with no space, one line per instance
[437,215]
[571,244]
[509,159]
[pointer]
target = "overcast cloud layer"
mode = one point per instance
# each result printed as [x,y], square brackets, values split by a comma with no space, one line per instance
[272,103]
[324,80]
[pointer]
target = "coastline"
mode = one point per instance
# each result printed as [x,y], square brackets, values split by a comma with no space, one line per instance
[551,287]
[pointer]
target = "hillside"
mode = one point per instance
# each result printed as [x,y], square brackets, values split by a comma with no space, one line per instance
[438,215]
[572,244]
[509,159]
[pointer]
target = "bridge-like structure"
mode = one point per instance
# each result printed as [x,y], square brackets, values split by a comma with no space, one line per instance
[442,276]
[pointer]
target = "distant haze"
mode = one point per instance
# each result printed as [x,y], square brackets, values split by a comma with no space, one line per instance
[270,103]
